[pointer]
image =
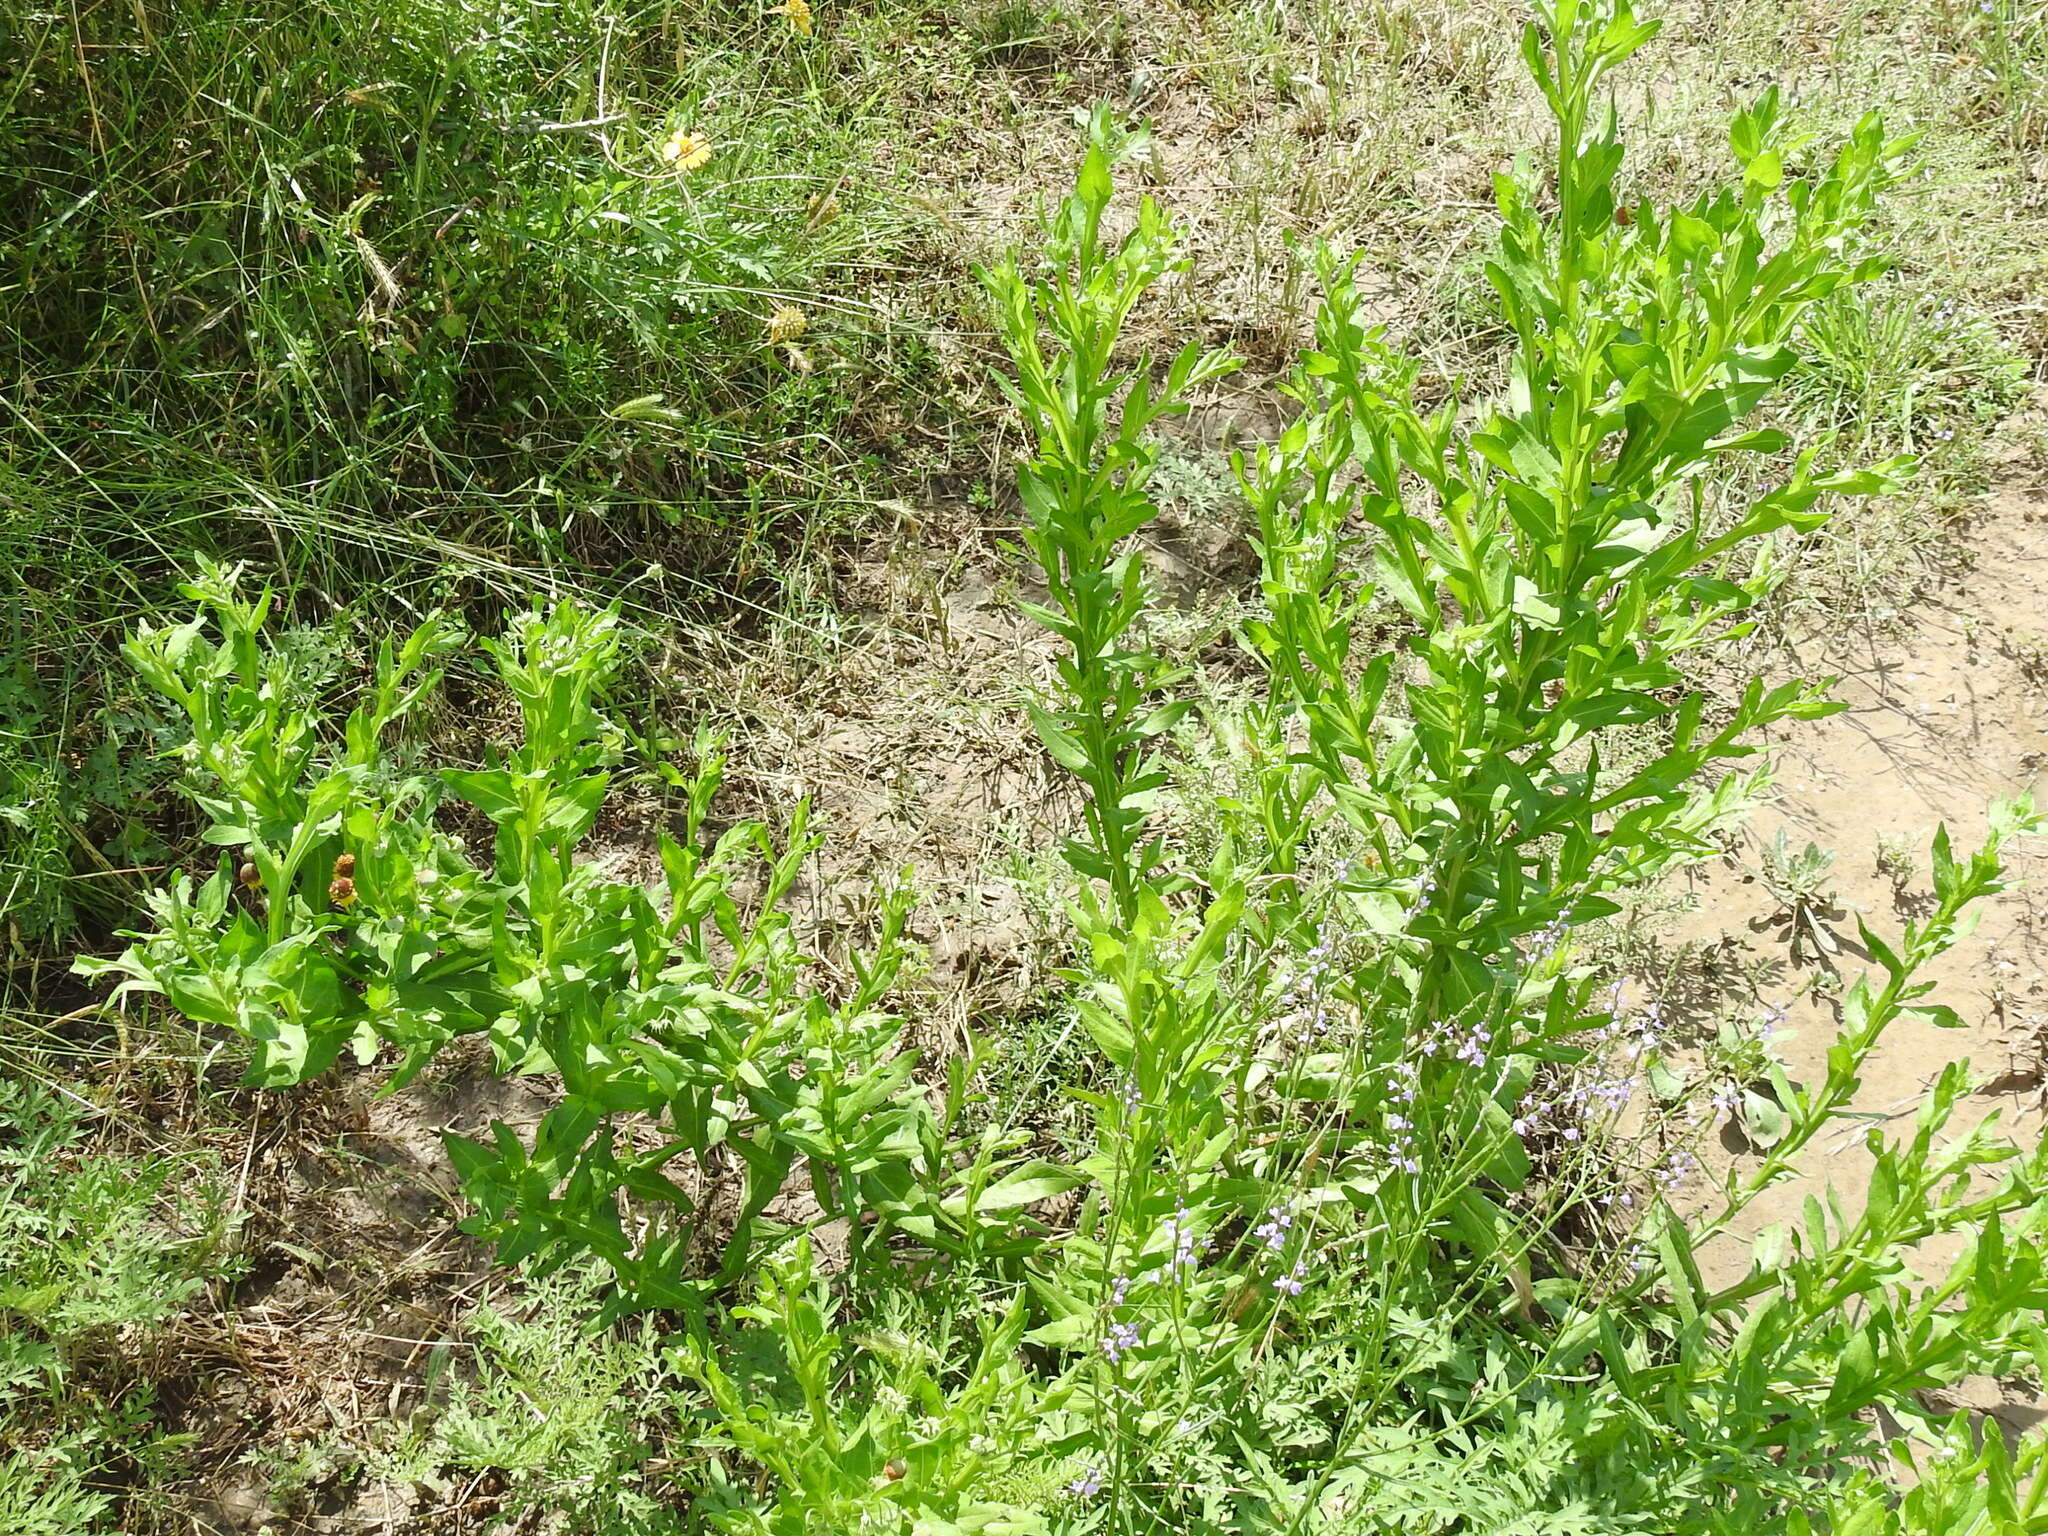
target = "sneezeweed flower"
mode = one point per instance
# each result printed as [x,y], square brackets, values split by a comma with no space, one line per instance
[786,324]
[799,14]
[341,890]
[685,150]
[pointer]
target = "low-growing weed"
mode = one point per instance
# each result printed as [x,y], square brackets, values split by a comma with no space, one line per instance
[571,1423]
[1799,881]
[98,1253]
[345,918]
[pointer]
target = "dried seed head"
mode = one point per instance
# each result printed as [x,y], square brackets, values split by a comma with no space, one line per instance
[345,866]
[895,1469]
[249,875]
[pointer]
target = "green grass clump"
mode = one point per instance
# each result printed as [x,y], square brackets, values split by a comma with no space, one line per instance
[405,259]
[412,303]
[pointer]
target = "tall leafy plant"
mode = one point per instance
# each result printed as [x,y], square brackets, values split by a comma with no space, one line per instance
[1554,558]
[1342,1046]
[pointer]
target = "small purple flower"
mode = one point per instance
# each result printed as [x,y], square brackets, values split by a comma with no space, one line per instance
[1423,889]
[1407,1076]
[1273,1230]
[1121,1338]
[1289,1284]
[1087,1485]
[1673,1174]
[1181,1230]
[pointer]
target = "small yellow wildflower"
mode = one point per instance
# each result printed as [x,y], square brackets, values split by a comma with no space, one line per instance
[685,150]
[786,324]
[799,14]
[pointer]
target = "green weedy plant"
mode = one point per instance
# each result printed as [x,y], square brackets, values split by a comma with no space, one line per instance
[1084,496]
[98,1252]
[872,1433]
[1360,1247]
[1556,560]
[1352,1050]
[349,919]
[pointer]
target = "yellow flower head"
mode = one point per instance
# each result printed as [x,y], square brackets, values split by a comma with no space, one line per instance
[786,324]
[799,14]
[686,151]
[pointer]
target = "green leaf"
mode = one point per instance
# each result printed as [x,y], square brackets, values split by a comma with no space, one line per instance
[1764,1120]
[1070,1332]
[1667,1083]
[1063,744]
[1026,1186]
[1674,1247]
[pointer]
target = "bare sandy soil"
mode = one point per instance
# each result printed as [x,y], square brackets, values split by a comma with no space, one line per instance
[1942,720]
